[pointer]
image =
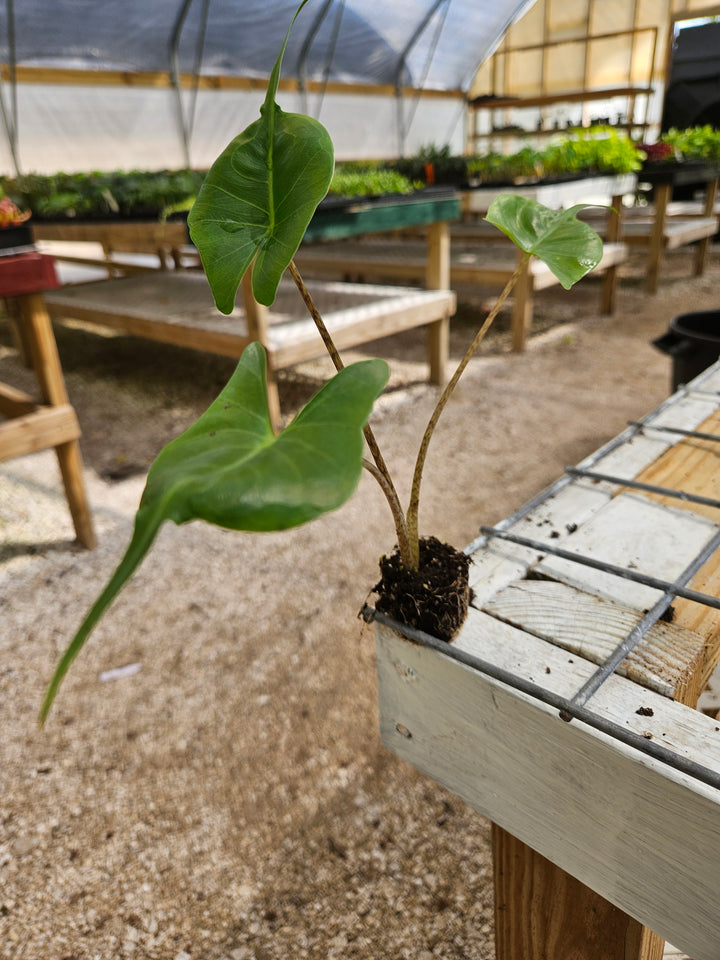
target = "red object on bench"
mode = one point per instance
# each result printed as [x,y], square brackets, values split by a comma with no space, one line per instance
[27,273]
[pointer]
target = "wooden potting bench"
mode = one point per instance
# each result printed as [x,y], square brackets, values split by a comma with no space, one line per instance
[176,306]
[474,259]
[564,709]
[31,424]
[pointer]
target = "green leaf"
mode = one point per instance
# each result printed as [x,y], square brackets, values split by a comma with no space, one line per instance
[569,247]
[230,469]
[259,197]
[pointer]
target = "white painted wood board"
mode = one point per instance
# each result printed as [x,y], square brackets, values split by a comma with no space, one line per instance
[640,833]
[635,533]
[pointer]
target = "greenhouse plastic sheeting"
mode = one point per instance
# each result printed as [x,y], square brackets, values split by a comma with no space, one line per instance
[346,40]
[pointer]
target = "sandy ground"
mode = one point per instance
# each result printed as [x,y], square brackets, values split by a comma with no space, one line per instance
[228,798]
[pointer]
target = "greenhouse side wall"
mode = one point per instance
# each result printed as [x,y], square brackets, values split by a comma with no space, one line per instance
[84,127]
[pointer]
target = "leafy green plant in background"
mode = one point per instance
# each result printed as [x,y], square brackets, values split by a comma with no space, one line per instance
[229,468]
[694,143]
[596,150]
[369,180]
[131,193]
[445,166]
[525,164]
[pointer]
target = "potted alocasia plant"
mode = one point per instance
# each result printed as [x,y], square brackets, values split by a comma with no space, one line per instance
[230,468]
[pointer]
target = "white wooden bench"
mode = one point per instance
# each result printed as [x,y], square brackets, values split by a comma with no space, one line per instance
[177,307]
[603,787]
[472,261]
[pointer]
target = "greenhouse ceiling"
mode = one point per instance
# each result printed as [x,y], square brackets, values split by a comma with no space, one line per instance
[432,44]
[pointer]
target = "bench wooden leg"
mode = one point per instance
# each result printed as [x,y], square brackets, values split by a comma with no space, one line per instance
[437,266]
[438,337]
[657,237]
[613,231]
[39,336]
[541,912]
[522,309]
[701,248]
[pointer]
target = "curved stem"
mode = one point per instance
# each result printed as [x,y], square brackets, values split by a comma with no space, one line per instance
[413,508]
[380,470]
[315,314]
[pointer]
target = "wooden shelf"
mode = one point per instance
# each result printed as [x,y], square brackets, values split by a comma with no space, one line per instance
[492,103]
[546,100]
[520,132]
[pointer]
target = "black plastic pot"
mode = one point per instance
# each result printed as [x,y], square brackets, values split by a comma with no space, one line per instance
[18,235]
[693,342]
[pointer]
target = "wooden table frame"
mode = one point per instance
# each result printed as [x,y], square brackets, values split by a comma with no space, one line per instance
[333,220]
[52,422]
[176,307]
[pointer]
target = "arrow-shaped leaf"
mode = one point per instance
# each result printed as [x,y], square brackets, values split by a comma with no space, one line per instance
[230,469]
[569,247]
[259,197]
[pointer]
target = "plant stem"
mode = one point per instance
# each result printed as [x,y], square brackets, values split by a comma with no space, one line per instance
[413,508]
[395,507]
[379,469]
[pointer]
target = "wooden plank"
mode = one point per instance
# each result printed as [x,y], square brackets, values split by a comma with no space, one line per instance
[437,270]
[129,236]
[71,470]
[438,349]
[635,533]
[542,912]
[656,241]
[15,403]
[294,343]
[702,248]
[201,336]
[404,259]
[669,659]
[44,428]
[691,465]
[584,801]
[558,195]
[154,79]
[178,309]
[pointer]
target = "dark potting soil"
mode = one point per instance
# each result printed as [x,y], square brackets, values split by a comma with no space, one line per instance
[435,597]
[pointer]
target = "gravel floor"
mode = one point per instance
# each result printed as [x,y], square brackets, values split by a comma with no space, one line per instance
[227,797]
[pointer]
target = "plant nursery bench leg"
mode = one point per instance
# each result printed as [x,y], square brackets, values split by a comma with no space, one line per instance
[53,422]
[612,235]
[701,249]
[541,912]
[257,323]
[437,277]
[663,192]
[522,309]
